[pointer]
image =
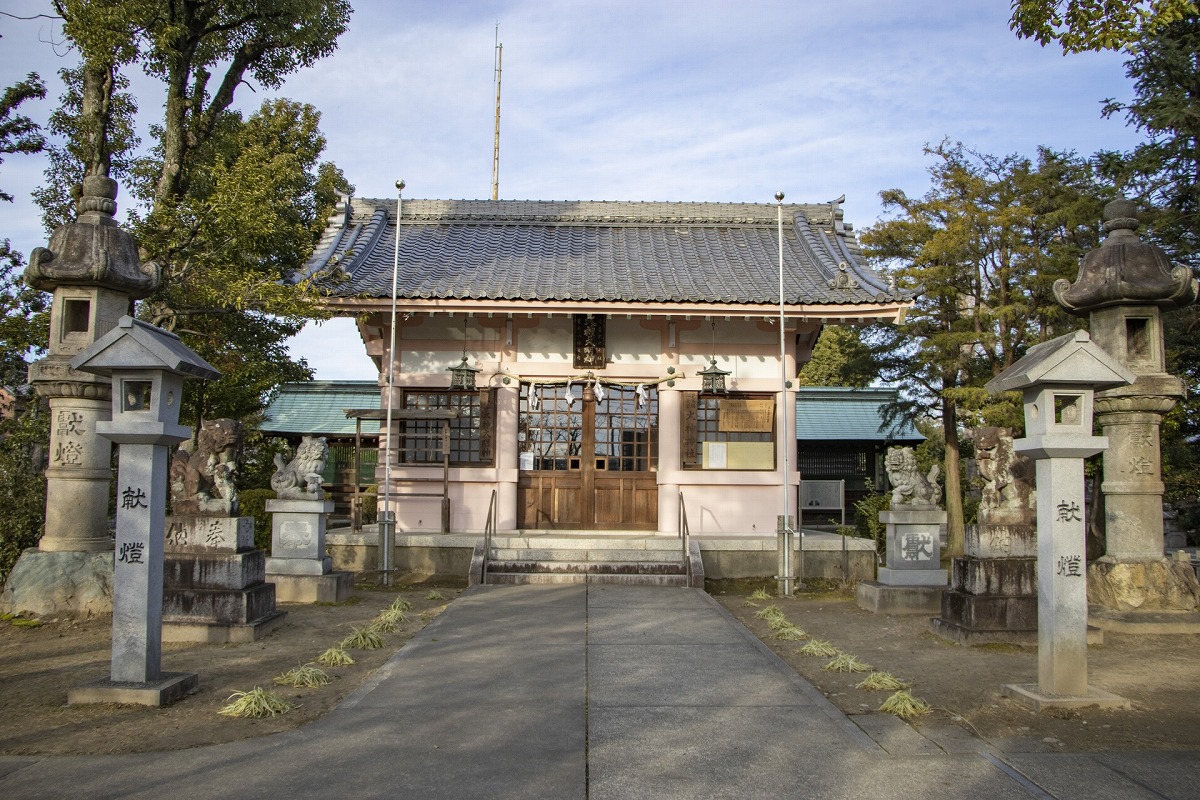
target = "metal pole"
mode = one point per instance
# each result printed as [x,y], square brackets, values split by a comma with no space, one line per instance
[387,519]
[784,444]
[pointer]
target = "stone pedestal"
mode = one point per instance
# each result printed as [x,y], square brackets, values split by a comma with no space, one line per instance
[913,580]
[298,566]
[215,587]
[993,586]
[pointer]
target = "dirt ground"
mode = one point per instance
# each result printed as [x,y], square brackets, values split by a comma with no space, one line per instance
[39,664]
[1159,674]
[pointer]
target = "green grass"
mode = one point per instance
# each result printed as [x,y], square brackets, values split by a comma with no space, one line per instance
[305,675]
[255,703]
[335,657]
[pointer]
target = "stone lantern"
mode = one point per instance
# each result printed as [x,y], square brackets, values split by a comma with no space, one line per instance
[92,268]
[1058,379]
[147,366]
[1123,286]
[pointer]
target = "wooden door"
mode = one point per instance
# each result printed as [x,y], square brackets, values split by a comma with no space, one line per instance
[589,458]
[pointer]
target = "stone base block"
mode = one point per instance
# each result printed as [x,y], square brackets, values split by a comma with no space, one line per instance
[990,613]
[1031,696]
[961,634]
[913,577]
[1145,622]
[1010,577]
[299,566]
[1000,540]
[1162,585]
[333,587]
[59,582]
[215,633]
[166,690]
[218,606]
[879,598]
[194,534]
[214,570]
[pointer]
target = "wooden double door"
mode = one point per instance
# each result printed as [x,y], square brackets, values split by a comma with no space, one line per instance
[589,457]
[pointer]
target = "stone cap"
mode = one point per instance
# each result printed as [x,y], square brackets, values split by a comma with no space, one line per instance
[134,344]
[1070,359]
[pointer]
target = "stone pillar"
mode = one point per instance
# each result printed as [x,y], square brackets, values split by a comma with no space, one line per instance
[508,401]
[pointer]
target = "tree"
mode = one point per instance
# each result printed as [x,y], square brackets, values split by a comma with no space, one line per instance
[1079,25]
[839,358]
[18,133]
[982,248]
[1164,173]
[229,206]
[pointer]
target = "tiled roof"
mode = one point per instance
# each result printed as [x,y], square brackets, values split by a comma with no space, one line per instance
[595,251]
[844,414]
[320,407]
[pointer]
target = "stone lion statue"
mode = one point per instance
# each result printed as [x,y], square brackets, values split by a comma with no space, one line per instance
[300,478]
[202,482]
[1007,475]
[909,486]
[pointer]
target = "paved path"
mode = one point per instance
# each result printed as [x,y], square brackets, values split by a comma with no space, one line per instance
[605,693]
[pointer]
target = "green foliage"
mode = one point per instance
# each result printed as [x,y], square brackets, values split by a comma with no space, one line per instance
[19,133]
[1079,25]
[22,484]
[253,503]
[25,321]
[866,517]
[839,358]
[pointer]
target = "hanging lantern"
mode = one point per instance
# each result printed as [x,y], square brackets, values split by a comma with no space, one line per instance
[463,375]
[713,379]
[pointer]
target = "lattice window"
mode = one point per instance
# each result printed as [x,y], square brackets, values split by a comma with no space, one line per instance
[472,433]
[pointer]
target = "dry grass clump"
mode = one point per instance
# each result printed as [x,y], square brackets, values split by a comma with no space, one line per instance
[844,662]
[435,595]
[761,594]
[790,633]
[905,706]
[882,681]
[818,647]
[400,604]
[255,703]
[389,621]
[305,675]
[362,639]
[335,657]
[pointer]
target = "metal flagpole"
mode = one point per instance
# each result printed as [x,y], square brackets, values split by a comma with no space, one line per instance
[785,526]
[387,518]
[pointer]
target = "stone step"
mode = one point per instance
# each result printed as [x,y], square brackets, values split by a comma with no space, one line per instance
[588,554]
[510,578]
[587,542]
[589,567]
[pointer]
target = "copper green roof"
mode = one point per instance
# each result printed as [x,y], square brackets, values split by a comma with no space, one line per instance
[843,414]
[320,407]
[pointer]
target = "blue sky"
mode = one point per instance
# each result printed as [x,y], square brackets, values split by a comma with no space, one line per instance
[650,100]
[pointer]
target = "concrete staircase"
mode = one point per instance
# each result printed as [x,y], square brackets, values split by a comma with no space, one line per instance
[609,559]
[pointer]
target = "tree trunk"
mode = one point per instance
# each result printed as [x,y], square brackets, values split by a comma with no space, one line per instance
[99,82]
[954,495]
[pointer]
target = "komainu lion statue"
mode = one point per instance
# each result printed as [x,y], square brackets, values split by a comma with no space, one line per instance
[300,478]
[1007,476]
[909,486]
[202,482]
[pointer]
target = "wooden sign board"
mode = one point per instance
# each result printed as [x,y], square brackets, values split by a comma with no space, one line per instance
[747,416]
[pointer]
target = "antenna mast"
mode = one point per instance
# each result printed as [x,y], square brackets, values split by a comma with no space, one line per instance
[496,145]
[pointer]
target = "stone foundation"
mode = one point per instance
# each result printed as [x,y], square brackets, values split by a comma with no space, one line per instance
[55,583]
[1161,585]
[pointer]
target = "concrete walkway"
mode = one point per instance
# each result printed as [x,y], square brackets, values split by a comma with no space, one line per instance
[603,693]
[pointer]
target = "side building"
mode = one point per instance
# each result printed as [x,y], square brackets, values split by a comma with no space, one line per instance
[603,359]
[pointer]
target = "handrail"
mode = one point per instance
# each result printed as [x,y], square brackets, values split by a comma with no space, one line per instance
[488,529]
[685,535]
